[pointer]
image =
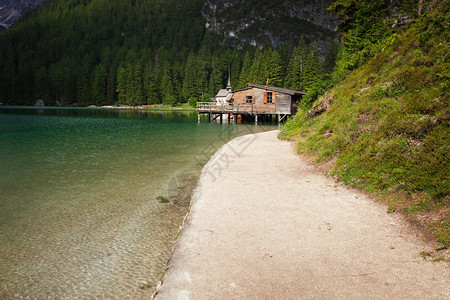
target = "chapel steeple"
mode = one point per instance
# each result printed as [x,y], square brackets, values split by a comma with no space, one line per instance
[229,80]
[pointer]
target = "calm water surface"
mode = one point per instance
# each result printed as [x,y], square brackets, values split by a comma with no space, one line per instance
[79,214]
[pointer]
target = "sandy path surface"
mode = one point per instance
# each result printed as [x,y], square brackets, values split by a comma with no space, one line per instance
[266,225]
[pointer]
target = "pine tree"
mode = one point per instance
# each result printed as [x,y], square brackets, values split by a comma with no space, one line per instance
[154,90]
[245,71]
[166,85]
[202,71]
[111,87]
[188,89]
[121,85]
[99,85]
[274,68]
[295,68]
[255,74]
[83,95]
[330,58]
[134,86]
[311,68]
[216,76]
[235,67]
[69,86]
[147,78]
[41,87]
[176,77]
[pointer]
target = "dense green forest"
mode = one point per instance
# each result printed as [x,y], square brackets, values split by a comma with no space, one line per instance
[384,127]
[80,53]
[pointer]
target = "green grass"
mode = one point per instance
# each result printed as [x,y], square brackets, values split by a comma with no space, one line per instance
[144,286]
[442,233]
[162,199]
[387,130]
[429,255]
[440,258]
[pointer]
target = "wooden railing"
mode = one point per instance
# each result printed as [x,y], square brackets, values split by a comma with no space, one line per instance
[214,107]
[235,108]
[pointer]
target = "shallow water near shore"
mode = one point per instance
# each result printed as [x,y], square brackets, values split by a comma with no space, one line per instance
[79,210]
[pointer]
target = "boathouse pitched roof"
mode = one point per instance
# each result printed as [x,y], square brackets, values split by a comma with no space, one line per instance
[277,89]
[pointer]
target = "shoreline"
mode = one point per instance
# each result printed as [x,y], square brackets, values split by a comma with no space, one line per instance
[195,193]
[298,234]
[108,107]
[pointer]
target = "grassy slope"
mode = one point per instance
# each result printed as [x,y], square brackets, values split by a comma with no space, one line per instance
[387,129]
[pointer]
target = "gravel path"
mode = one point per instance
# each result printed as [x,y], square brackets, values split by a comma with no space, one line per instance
[265,224]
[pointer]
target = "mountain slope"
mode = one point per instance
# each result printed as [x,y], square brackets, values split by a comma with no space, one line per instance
[12,10]
[272,23]
[385,128]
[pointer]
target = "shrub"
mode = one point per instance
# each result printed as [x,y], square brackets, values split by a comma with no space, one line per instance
[193,101]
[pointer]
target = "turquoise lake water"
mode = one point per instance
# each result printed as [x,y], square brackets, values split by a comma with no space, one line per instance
[79,214]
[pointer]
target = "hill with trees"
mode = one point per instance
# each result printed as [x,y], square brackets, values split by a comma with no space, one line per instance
[384,127]
[82,53]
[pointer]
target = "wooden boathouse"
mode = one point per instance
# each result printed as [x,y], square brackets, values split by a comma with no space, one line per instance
[255,100]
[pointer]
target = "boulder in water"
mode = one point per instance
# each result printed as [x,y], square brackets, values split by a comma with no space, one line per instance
[39,102]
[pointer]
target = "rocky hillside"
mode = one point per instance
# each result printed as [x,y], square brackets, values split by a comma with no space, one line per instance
[271,22]
[12,10]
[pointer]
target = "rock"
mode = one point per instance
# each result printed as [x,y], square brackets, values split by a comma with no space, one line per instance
[39,102]
[323,105]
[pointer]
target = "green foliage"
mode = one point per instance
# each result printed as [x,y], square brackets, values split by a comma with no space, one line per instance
[244,75]
[99,85]
[317,89]
[93,52]
[366,27]
[296,66]
[162,199]
[171,100]
[193,101]
[387,129]
[206,98]
[442,232]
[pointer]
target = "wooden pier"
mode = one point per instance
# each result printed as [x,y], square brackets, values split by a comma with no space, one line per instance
[231,112]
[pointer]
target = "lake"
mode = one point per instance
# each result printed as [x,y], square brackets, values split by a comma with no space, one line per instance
[91,199]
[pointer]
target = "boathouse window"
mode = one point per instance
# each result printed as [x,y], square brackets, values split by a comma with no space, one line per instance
[249,99]
[269,97]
